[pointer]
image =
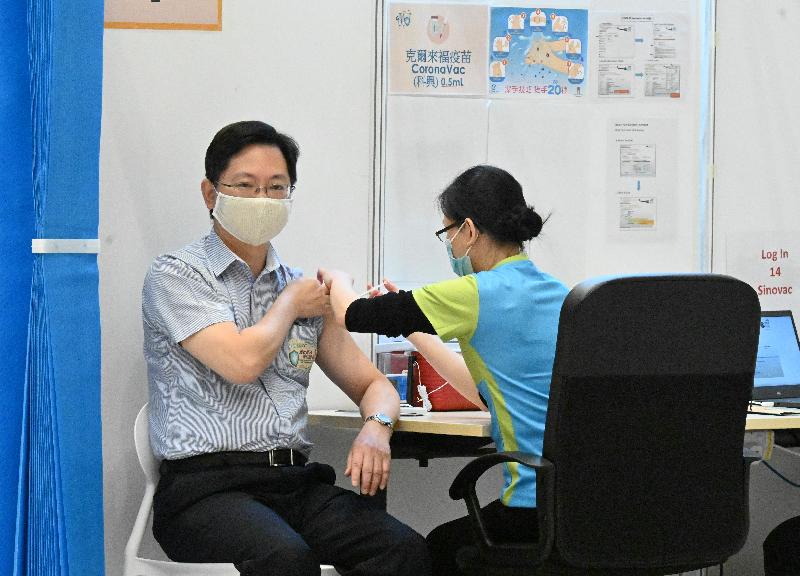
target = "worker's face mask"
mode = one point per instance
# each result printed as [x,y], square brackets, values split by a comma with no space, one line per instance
[463,265]
[254,221]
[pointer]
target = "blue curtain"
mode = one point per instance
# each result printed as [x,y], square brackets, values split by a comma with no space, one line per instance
[51,97]
[15,243]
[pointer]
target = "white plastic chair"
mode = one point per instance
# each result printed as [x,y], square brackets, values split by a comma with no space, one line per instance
[136,566]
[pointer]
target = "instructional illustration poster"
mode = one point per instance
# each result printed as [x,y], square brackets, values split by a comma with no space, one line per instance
[642,173]
[641,55]
[437,49]
[537,51]
[770,263]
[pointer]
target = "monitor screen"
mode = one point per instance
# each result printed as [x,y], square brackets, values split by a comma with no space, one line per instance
[778,361]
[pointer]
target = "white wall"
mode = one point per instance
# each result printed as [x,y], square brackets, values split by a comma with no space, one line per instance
[756,203]
[558,148]
[755,196]
[757,121]
[310,74]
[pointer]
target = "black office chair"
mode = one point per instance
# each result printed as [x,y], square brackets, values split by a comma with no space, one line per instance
[643,471]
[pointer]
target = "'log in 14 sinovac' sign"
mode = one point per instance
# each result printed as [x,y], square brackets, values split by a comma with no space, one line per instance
[770,262]
[437,49]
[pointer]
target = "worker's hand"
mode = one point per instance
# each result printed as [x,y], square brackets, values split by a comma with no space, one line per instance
[376,290]
[308,297]
[370,458]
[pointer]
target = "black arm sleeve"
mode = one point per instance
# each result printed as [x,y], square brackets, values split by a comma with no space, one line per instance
[392,314]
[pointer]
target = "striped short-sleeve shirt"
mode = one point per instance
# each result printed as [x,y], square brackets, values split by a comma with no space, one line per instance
[194,410]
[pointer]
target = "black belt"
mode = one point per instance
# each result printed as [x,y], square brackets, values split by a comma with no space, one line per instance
[275,457]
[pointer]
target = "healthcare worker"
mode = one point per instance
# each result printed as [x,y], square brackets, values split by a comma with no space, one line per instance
[504,312]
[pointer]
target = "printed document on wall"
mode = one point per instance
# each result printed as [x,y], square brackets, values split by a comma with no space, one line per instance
[641,55]
[642,175]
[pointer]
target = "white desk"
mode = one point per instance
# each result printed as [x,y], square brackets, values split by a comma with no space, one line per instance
[449,423]
[769,422]
[477,424]
[420,437]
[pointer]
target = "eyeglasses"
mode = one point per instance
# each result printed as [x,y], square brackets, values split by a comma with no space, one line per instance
[439,233]
[276,191]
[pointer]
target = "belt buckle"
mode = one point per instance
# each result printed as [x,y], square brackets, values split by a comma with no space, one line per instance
[274,464]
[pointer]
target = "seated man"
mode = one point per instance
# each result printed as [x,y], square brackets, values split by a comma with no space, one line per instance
[230,335]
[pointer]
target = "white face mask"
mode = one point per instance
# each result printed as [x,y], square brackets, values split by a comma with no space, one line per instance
[254,221]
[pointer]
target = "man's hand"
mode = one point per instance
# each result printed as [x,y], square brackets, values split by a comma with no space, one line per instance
[308,297]
[370,458]
[241,356]
[340,288]
[327,277]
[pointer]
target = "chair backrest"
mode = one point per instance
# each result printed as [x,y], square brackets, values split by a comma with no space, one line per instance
[646,420]
[141,434]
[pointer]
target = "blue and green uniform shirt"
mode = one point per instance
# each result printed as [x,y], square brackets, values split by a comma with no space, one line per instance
[506,321]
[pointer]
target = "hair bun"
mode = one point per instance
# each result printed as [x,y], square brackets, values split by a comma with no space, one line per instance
[521,223]
[534,221]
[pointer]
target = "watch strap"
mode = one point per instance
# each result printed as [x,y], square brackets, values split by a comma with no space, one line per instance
[382,419]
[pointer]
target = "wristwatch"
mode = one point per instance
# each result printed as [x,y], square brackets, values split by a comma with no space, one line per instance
[381,418]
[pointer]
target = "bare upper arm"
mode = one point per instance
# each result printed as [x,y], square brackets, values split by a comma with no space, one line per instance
[216,347]
[344,362]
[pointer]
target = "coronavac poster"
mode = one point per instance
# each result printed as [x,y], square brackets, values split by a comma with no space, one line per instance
[437,49]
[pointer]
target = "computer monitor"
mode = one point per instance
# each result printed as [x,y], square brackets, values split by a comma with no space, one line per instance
[777,374]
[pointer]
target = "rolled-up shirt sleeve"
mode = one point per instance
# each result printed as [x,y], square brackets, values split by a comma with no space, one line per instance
[179,302]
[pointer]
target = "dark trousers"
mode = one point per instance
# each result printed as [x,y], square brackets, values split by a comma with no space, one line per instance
[281,521]
[503,523]
[782,549]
